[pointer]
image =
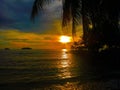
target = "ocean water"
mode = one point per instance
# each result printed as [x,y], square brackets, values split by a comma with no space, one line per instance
[47,70]
[37,65]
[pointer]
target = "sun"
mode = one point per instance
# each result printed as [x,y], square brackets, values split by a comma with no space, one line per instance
[65,39]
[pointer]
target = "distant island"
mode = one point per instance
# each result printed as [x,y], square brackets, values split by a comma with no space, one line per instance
[26,48]
[6,48]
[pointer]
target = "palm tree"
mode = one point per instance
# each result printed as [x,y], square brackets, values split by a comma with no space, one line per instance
[103,15]
[71,12]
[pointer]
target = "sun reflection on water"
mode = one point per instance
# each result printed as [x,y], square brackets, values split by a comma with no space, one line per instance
[64,65]
[64,50]
[64,54]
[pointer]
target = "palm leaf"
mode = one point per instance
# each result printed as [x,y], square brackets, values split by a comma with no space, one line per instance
[71,11]
[38,6]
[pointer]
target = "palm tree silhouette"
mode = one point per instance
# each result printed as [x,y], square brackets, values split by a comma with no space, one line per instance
[103,15]
[71,12]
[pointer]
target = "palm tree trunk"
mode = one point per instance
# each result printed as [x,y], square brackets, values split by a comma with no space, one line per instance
[85,24]
[73,29]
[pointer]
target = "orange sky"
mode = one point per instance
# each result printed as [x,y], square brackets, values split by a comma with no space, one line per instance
[18,31]
[49,39]
[16,39]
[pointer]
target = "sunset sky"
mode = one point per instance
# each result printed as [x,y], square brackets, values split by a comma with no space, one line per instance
[17,30]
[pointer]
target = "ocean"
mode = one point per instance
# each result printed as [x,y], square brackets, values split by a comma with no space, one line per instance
[54,70]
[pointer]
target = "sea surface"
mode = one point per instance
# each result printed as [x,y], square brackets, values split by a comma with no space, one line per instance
[55,70]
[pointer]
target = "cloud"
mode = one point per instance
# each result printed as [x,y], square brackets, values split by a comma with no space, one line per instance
[15,14]
[16,29]
[18,39]
[53,10]
[48,38]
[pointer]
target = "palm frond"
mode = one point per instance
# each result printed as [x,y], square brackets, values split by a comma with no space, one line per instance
[76,11]
[71,11]
[37,6]
[66,12]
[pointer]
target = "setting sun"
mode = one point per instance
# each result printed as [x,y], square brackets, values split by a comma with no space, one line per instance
[65,39]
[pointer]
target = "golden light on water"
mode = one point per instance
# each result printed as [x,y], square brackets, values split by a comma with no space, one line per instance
[65,71]
[64,50]
[64,54]
[65,39]
[65,65]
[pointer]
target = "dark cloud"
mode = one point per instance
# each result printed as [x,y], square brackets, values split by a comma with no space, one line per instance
[48,38]
[15,14]
[16,39]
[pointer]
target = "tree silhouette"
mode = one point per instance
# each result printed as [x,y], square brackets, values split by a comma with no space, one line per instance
[102,15]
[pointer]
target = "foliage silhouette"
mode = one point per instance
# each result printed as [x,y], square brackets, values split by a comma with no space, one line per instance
[102,15]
